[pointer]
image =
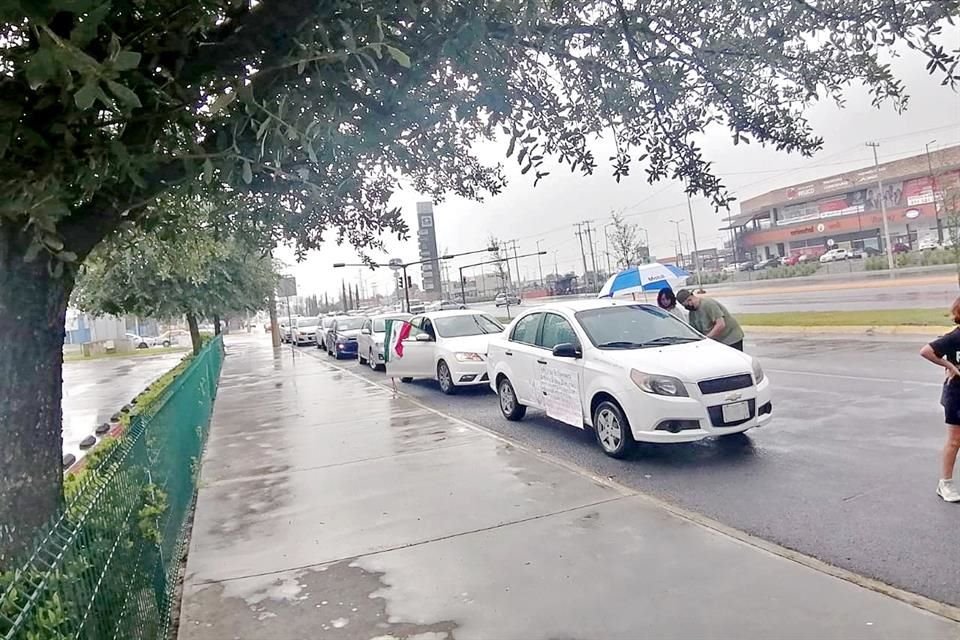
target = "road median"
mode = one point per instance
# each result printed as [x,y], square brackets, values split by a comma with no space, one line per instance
[870,322]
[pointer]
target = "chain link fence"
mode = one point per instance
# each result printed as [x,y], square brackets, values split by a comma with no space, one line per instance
[108,566]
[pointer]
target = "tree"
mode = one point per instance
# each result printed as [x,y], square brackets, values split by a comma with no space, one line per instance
[311,305]
[159,274]
[317,110]
[625,243]
[502,265]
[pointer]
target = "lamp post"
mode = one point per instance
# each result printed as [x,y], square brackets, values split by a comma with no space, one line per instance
[933,189]
[463,294]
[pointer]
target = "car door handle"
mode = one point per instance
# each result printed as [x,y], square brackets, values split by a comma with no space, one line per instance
[508,353]
[541,361]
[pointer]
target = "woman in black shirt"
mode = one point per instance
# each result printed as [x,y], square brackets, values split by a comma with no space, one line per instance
[945,352]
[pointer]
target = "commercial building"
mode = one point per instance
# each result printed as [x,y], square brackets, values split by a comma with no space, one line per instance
[845,210]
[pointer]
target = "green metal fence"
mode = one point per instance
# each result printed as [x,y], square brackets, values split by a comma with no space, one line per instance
[107,567]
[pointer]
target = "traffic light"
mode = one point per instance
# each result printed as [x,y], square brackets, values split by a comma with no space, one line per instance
[399,282]
[409,282]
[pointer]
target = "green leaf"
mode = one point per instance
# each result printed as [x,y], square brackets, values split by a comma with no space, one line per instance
[87,94]
[402,58]
[247,172]
[53,242]
[86,31]
[126,95]
[223,101]
[67,256]
[207,171]
[41,68]
[126,60]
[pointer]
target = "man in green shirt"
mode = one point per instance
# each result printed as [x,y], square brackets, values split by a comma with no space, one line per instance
[712,319]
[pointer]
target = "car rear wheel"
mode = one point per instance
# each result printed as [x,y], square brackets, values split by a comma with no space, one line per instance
[612,429]
[361,359]
[372,362]
[446,379]
[406,379]
[166,343]
[509,406]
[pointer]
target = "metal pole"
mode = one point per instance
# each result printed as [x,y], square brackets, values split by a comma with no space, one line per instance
[679,244]
[540,265]
[883,206]
[696,256]
[290,323]
[593,257]
[516,263]
[606,246]
[933,188]
[406,288]
[582,252]
[463,293]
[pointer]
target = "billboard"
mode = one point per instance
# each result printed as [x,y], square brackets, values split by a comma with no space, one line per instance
[427,243]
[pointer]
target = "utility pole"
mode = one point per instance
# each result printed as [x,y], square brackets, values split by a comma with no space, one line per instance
[606,238]
[593,255]
[679,244]
[696,251]
[516,263]
[933,188]
[579,235]
[540,265]
[883,206]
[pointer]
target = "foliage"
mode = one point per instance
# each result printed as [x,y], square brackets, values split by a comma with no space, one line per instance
[793,271]
[913,259]
[625,243]
[709,277]
[864,318]
[501,268]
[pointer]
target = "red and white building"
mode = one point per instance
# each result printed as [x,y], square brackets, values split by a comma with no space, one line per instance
[844,210]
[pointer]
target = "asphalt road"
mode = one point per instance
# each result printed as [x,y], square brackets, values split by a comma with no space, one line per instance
[846,472]
[93,390]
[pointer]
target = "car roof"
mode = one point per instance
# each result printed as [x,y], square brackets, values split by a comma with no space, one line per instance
[388,316]
[573,306]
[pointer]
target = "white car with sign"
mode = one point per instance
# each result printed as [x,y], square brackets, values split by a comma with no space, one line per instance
[448,346]
[835,255]
[372,336]
[631,371]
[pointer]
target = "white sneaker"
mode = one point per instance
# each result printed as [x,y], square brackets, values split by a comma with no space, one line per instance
[947,491]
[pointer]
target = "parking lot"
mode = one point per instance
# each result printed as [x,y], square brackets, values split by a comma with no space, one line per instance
[846,472]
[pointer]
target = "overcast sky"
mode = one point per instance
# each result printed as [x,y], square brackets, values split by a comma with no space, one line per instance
[547,213]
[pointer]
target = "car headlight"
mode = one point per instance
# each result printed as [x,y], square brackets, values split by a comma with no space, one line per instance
[658,385]
[758,375]
[467,356]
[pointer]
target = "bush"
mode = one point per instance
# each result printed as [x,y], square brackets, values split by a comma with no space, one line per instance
[714,277]
[796,271]
[875,263]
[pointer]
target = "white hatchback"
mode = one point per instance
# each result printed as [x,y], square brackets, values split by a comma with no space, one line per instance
[448,346]
[631,371]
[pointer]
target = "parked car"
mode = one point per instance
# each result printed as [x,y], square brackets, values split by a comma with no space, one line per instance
[769,263]
[632,372]
[322,328]
[137,341]
[448,346]
[342,336]
[172,337]
[835,255]
[286,328]
[371,338]
[445,305]
[506,299]
[747,266]
[928,244]
[730,268]
[806,257]
[417,306]
[900,247]
[305,331]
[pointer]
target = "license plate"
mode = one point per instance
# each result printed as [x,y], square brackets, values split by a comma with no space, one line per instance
[736,412]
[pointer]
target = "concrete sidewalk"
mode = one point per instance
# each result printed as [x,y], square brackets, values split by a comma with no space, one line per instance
[331,509]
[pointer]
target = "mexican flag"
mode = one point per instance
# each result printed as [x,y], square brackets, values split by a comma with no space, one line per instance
[397,332]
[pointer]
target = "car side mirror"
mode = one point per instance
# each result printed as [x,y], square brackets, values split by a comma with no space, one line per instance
[423,337]
[365,331]
[566,350]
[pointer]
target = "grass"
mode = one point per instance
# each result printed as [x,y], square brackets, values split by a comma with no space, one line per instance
[137,353]
[873,318]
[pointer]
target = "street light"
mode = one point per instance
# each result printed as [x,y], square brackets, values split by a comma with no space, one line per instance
[404,265]
[463,293]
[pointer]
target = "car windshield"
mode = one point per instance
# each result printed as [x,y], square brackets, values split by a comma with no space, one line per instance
[349,324]
[468,325]
[634,327]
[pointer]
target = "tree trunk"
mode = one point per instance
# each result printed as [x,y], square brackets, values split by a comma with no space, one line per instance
[194,333]
[32,318]
[274,325]
[216,324]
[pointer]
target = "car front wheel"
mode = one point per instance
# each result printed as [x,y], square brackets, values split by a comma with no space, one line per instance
[509,406]
[612,429]
[446,379]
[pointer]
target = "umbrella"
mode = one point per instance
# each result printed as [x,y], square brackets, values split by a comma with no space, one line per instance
[643,278]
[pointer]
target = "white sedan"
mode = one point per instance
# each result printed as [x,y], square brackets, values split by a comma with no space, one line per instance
[372,335]
[448,346]
[631,371]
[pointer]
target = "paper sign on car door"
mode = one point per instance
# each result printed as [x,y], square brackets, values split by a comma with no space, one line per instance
[561,394]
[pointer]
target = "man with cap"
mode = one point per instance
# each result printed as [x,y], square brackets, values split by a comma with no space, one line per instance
[712,319]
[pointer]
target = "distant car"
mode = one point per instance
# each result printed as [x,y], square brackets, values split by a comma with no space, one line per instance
[730,268]
[137,341]
[506,299]
[304,331]
[371,338]
[900,247]
[835,255]
[172,337]
[322,328]
[747,266]
[447,305]
[286,328]
[805,258]
[447,346]
[342,336]
[929,244]
[417,306]
[769,263]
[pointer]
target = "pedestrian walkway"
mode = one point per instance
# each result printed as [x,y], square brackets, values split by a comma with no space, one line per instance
[331,508]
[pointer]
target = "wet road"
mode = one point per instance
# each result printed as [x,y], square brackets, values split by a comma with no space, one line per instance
[96,389]
[845,473]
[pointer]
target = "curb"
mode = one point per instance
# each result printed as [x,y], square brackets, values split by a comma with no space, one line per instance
[935,607]
[865,330]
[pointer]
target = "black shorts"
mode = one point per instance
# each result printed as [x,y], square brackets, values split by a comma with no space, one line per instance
[950,399]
